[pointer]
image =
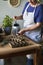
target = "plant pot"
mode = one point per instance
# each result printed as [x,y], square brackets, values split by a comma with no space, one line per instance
[7,30]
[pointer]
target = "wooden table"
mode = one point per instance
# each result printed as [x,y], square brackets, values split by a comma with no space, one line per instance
[7,51]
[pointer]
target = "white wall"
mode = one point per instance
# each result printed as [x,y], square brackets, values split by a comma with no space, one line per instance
[6,9]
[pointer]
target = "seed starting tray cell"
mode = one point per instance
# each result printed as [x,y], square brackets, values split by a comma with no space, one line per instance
[16,41]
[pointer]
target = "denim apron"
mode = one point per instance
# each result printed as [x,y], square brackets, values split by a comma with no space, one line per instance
[28,18]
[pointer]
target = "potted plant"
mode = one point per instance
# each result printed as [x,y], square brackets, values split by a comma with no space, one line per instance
[7,24]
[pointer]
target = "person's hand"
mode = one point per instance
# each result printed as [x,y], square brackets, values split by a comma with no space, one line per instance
[15,17]
[21,32]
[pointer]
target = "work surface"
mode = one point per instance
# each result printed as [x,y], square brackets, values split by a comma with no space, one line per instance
[7,51]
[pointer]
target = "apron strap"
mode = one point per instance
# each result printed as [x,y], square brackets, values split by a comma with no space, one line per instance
[36,7]
[27,6]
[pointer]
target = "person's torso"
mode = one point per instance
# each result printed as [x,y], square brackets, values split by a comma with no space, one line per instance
[28,18]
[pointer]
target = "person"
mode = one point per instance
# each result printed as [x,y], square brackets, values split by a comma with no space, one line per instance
[32,16]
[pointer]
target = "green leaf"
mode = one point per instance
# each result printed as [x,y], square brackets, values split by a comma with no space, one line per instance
[7,21]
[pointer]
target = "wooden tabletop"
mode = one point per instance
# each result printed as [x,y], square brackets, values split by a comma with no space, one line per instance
[7,51]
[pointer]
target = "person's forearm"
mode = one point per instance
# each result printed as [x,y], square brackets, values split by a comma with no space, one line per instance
[35,26]
[20,17]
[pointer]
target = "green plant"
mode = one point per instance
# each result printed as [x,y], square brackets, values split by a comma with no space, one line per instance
[7,22]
